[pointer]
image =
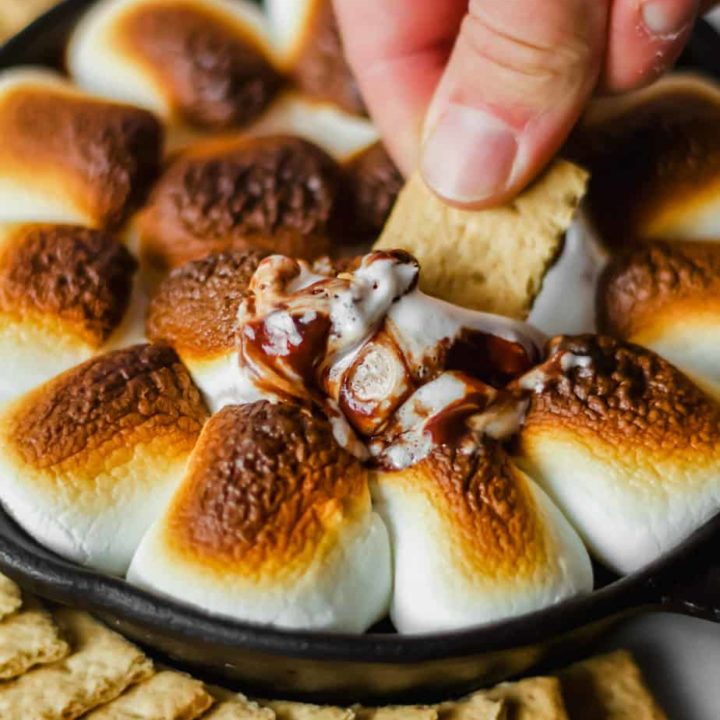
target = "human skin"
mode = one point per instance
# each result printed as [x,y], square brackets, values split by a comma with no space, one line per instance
[480,95]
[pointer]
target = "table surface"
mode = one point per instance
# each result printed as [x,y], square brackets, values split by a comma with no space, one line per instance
[680,657]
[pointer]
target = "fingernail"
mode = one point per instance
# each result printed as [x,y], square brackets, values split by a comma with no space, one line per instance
[469,156]
[666,18]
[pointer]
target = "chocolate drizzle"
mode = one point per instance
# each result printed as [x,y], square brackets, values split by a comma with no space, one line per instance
[487,357]
[324,342]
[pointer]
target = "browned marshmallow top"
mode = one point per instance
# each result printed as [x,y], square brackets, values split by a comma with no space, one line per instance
[659,279]
[214,75]
[488,509]
[101,155]
[658,154]
[80,276]
[266,484]
[374,183]
[108,403]
[620,393]
[320,67]
[274,193]
[195,308]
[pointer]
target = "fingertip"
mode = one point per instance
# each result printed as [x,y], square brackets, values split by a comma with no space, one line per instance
[645,39]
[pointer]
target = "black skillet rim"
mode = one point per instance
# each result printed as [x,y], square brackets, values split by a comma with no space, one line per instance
[50,575]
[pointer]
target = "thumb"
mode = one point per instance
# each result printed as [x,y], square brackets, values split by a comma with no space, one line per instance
[518,78]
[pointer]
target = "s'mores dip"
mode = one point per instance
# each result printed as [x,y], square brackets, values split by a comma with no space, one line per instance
[253,369]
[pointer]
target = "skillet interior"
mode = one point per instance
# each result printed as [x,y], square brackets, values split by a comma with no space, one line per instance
[374,667]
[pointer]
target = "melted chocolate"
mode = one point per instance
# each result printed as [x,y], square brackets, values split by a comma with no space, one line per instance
[294,345]
[368,415]
[487,357]
[292,360]
[449,426]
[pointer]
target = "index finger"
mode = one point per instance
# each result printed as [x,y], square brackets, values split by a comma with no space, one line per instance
[398,50]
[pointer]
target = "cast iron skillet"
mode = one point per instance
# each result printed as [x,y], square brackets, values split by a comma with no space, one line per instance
[378,666]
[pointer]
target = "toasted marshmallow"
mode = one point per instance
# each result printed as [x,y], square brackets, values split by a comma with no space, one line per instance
[451,410]
[309,45]
[367,338]
[64,296]
[336,131]
[374,184]
[275,193]
[654,157]
[666,296]
[200,63]
[627,446]
[195,311]
[89,460]
[68,157]
[575,274]
[272,525]
[474,541]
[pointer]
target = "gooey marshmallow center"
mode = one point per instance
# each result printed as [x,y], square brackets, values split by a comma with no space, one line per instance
[376,354]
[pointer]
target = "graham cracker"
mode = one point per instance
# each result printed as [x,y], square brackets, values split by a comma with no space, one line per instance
[285,710]
[491,260]
[102,664]
[239,709]
[399,712]
[29,638]
[608,687]
[165,696]
[474,707]
[538,698]
[10,597]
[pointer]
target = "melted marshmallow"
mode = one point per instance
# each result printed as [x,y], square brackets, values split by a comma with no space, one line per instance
[574,276]
[361,344]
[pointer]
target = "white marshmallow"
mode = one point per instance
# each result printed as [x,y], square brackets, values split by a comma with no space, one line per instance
[627,447]
[324,563]
[68,157]
[339,133]
[87,479]
[458,567]
[36,341]
[566,301]
[99,63]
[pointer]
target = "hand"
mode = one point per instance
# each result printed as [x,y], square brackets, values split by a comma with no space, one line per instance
[481,94]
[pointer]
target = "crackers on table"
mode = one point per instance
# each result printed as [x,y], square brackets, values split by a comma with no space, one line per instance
[538,698]
[10,596]
[473,707]
[491,260]
[285,710]
[239,710]
[236,706]
[102,664]
[165,696]
[398,712]
[29,638]
[608,687]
